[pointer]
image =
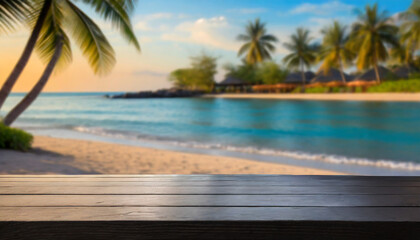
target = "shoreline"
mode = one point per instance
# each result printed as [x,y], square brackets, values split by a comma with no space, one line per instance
[373,97]
[67,156]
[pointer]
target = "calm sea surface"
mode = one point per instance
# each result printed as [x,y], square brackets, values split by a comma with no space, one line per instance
[371,134]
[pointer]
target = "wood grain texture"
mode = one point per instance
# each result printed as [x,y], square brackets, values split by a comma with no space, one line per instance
[210,200]
[365,214]
[209,207]
[34,182]
[224,230]
[216,190]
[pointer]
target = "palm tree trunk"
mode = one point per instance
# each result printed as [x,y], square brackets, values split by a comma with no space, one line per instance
[378,77]
[24,58]
[343,78]
[36,90]
[302,69]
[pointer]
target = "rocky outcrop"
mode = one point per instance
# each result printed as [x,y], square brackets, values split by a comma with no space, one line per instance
[163,93]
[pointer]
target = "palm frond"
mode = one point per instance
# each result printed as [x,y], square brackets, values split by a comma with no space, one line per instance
[116,12]
[50,34]
[258,44]
[12,13]
[90,39]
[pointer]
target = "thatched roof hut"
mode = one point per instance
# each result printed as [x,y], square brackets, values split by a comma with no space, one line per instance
[403,72]
[275,87]
[370,75]
[330,79]
[232,81]
[296,78]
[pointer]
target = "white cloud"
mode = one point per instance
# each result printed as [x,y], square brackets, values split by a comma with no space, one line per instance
[142,25]
[248,10]
[213,32]
[156,20]
[327,8]
[157,16]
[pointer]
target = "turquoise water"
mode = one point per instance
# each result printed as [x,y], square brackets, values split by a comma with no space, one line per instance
[376,134]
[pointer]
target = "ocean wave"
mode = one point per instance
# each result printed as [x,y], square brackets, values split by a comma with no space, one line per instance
[334,159]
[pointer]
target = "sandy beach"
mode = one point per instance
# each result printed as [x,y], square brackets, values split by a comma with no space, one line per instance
[382,97]
[64,156]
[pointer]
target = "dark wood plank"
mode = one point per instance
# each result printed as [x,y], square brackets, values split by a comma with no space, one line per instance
[363,214]
[209,207]
[223,190]
[168,182]
[213,177]
[225,230]
[210,200]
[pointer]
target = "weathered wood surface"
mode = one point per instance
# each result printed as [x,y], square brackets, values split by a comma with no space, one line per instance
[209,207]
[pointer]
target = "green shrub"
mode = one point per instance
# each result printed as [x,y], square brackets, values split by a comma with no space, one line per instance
[15,139]
[324,90]
[397,86]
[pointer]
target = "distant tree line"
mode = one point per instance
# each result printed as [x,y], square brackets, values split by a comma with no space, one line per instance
[200,76]
[373,39]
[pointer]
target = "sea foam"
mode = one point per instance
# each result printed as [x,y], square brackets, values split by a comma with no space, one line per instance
[333,159]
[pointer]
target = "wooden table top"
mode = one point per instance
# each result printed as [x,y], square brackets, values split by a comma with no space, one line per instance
[209,198]
[208,207]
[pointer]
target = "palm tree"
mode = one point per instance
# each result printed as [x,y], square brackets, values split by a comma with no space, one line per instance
[400,55]
[410,30]
[334,51]
[258,44]
[12,12]
[116,11]
[370,36]
[303,53]
[64,16]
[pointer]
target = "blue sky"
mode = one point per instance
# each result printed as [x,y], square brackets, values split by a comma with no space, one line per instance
[170,31]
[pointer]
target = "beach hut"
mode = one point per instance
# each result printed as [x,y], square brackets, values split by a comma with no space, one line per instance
[370,75]
[330,79]
[275,88]
[404,72]
[368,78]
[296,78]
[232,83]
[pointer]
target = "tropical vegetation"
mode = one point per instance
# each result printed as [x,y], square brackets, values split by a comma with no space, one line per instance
[410,32]
[373,40]
[303,52]
[15,139]
[200,76]
[370,36]
[334,51]
[13,13]
[52,22]
[259,45]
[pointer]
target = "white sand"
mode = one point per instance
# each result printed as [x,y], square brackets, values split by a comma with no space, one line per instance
[62,156]
[395,97]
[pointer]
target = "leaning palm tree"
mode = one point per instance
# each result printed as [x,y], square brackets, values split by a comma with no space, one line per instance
[410,30]
[62,17]
[334,52]
[370,36]
[303,53]
[258,44]
[116,11]
[12,13]
[400,55]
